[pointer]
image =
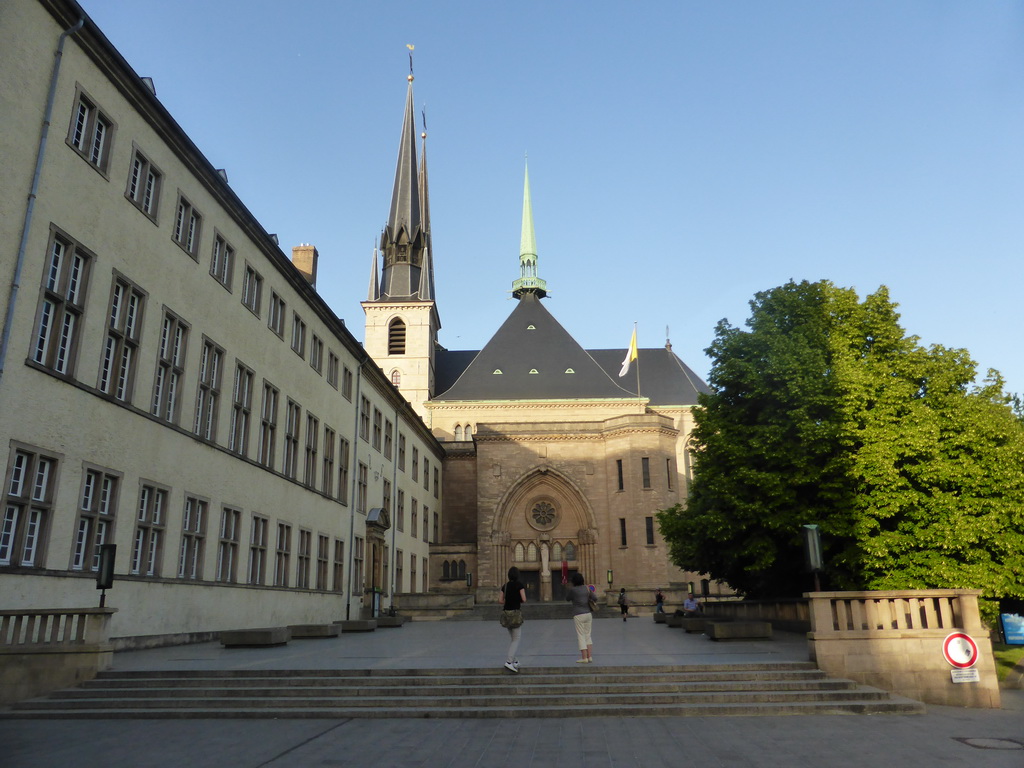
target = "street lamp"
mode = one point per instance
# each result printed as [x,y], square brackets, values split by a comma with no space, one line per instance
[609,577]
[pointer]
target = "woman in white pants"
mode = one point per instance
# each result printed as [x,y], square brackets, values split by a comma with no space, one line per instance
[579,595]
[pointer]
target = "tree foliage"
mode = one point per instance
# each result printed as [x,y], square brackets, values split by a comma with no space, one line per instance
[825,411]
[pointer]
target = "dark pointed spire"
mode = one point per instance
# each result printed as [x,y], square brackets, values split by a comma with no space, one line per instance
[374,292]
[426,286]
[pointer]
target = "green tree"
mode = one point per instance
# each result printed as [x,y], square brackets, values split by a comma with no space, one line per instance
[824,411]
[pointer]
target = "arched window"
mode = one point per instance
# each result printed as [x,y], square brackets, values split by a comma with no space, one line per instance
[531,553]
[458,431]
[469,432]
[396,377]
[556,552]
[446,572]
[396,337]
[462,569]
[570,551]
[519,554]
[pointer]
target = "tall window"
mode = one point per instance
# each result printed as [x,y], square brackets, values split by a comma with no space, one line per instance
[426,473]
[645,466]
[669,472]
[436,527]
[618,470]
[27,508]
[293,412]
[258,550]
[332,369]
[346,383]
[316,354]
[298,336]
[396,337]
[208,393]
[424,574]
[91,133]
[275,314]
[144,182]
[414,518]
[323,554]
[95,525]
[399,574]
[147,549]
[649,526]
[378,429]
[412,572]
[241,410]
[268,424]
[386,497]
[227,547]
[170,368]
[396,377]
[389,431]
[400,510]
[415,464]
[187,225]
[437,482]
[61,306]
[282,555]
[364,419]
[252,289]
[310,467]
[401,452]
[193,535]
[343,454]
[361,488]
[304,559]
[338,567]
[222,260]
[426,523]
[117,368]
[327,475]
[622,531]
[357,566]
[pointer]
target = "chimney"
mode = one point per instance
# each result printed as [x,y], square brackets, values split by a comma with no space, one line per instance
[304,257]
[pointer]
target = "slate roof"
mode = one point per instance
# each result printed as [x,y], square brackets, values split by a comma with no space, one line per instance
[532,357]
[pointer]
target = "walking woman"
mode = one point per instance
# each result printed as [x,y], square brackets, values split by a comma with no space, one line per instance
[580,597]
[513,595]
[623,603]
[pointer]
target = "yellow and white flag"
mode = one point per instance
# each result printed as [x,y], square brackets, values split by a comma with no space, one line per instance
[631,355]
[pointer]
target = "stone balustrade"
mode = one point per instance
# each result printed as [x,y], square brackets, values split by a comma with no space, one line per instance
[42,650]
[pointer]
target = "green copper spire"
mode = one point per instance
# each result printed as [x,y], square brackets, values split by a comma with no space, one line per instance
[528,281]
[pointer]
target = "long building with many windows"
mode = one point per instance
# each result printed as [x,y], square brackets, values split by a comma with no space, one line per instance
[171,382]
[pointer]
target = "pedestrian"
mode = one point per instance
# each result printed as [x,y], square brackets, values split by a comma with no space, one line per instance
[623,603]
[659,601]
[582,617]
[513,595]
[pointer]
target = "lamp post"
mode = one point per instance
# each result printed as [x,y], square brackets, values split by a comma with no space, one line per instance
[610,578]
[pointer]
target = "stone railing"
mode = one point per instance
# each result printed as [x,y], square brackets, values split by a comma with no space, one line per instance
[791,615]
[42,650]
[894,640]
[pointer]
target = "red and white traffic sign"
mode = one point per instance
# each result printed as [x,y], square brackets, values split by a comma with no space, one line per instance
[960,650]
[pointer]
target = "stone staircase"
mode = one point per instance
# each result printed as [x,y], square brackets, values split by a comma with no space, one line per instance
[578,691]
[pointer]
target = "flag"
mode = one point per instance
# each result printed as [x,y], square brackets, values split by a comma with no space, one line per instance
[631,355]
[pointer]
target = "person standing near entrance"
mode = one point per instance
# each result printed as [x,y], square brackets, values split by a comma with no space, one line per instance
[512,596]
[623,603]
[659,601]
[580,597]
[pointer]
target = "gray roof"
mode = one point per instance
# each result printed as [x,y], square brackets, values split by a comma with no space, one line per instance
[532,357]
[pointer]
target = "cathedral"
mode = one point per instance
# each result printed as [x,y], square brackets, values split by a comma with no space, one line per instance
[556,460]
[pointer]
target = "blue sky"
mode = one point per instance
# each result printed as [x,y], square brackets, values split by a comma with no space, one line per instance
[683,155]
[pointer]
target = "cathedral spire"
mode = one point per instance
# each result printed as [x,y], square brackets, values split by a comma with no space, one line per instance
[528,281]
[426,286]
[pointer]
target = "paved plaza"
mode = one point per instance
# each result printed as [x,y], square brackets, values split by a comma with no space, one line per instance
[945,736]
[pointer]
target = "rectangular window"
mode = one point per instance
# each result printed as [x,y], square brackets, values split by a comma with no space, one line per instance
[622,532]
[120,350]
[346,383]
[414,518]
[293,413]
[332,369]
[378,428]
[258,550]
[426,524]
[61,306]
[327,475]
[424,574]
[208,394]
[275,314]
[389,430]
[645,466]
[668,472]
[618,469]
[400,510]
[364,419]
[222,261]
[147,548]
[227,548]
[28,507]
[193,536]
[649,525]
[144,182]
[399,574]
[357,565]
[316,354]
[343,454]
[415,464]
[95,524]
[282,555]
[298,336]
[412,572]
[91,133]
[401,452]
[187,225]
[323,554]
[310,467]
[268,424]
[361,488]
[304,559]
[426,473]
[170,368]
[437,523]
[437,483]
[386,497]
[241,410]
[252,290]
[338,567]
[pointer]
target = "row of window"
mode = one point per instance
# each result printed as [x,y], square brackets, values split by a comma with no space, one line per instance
[529,552]
[319,560]
[645,473]
[648,532]
[379,435]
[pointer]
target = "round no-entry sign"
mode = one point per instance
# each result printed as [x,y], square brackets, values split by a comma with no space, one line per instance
[960,650]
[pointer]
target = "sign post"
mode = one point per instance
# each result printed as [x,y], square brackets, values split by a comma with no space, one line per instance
[961,652]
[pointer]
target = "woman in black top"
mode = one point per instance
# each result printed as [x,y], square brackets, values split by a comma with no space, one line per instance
[513,595]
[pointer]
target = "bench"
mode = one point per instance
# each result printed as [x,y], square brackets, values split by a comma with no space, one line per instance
[248,638]
[694,625]
[308,631]
[357,625]
[659,618]
[739,630]
[390,621]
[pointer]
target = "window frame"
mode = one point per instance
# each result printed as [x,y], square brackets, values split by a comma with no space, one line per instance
[82,132]
[60,316]
[187,230]
[119,361]
[146,196]
[28,513]
[150,530]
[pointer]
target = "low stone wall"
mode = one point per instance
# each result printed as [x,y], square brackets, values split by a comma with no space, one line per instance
[894,640]
[789,615]
[48,649]
[425,606]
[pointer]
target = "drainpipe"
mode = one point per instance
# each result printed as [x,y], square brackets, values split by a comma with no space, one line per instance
[393,564]
[27,225]
[352,491]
